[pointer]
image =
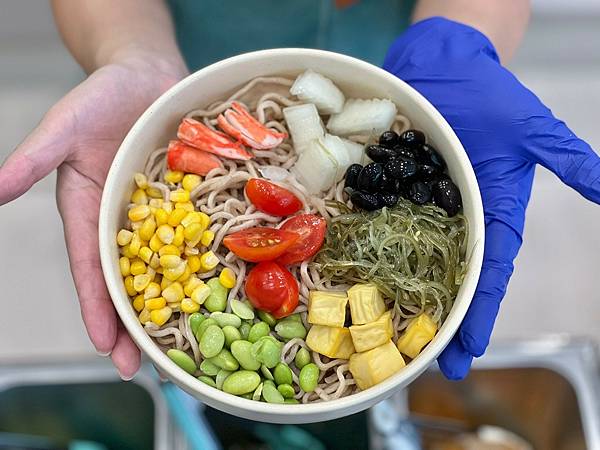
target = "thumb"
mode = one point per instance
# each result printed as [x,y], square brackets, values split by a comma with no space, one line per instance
[38,155]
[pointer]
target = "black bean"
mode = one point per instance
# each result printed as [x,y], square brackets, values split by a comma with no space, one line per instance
[412,138]
[379,153]
[402,150]
[391,185]
[388,199]
[370,178]
[429,155]
[388,139]
[352,175]
[366,200]
[401,168]
[428,172]
[419,193]
[447,196]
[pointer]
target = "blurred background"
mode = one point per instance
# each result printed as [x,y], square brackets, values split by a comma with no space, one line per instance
[554,289]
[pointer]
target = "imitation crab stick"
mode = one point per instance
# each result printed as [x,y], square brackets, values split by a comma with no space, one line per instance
[198,135]
[184,158]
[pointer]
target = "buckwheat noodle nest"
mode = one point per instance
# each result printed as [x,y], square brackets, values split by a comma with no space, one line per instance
[221,196]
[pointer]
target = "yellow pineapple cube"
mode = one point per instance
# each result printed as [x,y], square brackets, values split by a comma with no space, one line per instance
[366,303]
[375,365]
[333,342]
[372,334]
[419,333]
[327,308]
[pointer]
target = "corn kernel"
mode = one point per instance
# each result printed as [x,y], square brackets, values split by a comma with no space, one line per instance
[155,303]
[204,220]
[138,303]
[139,197]
[176,272]
[227,278]
[154,192]
[169,250]
[155,243]
[189,251]
[179,195]
[138,212]
[145,254]
[207,237]
[193,263]
[186,206]
[185,275]
[137,267]
[190,181]
[144,316]
[154,261]
[140,282]
[162,216]
[173,176]
[168,207]
[189,306]
[159,269]
[165,233]
[147,229]
[124,237]
[173,292]
[160,316]
[124,266]
[179,236]
[165,282]
[140,180]
[135,226]
[176,216]
[135,244]
[193,232]
[152,290]
[155,203]
[201,293]
[170,261]
[126,251]
[208,261]
[150,271]
[157,277]
[191,217]
[192,283]
[129,286]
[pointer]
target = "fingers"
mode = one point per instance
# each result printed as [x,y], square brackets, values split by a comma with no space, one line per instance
[455,361]
[78,201]
[38,155]
[125,355]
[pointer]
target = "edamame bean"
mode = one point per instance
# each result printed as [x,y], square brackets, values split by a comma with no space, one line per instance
[245,330]
[224,319]
[209,368]
[282,374]
[286,390]
[302,358]
[241,382]
[211,342]
[225,360]
[267,317]
[258,330]
[195,320]
[231,334]
[291,401]
[309,376]
[241,350]
[270,393]
[266,373]
[267,350]
[242,310]
[247,395]
[290,329]
[203,326]
[296,317]
[182,359]
[257,393]
[217,300]
[221,377]
[208,380]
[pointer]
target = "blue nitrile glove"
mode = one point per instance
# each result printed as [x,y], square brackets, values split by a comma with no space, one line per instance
[505,130]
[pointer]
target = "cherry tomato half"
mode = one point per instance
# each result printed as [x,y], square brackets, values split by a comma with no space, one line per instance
[260,243]
[311,229]
[272,199]
[271,287]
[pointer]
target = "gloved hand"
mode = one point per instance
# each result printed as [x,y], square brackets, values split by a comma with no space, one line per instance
[505,130]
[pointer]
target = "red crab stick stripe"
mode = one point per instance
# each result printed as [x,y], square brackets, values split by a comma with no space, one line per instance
[191,160]
[198,135]
[239,123]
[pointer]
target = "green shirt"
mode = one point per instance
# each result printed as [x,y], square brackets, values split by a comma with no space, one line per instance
[211,30]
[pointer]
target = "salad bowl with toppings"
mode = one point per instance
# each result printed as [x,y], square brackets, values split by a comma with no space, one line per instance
[291,235]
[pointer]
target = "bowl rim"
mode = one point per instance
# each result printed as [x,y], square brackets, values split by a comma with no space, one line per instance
[350,402]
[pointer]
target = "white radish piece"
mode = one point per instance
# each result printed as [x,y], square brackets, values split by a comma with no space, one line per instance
[315,169]
[274,173]
[304,124]
[356,151]
[370,117]
[312,87]
[339,151]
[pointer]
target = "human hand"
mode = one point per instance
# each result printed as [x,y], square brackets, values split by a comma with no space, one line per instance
[505,130]
[80,136]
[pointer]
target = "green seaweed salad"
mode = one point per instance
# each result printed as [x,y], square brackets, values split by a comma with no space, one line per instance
[414,254]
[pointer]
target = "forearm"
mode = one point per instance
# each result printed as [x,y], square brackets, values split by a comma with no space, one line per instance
[503,21]
[99,32]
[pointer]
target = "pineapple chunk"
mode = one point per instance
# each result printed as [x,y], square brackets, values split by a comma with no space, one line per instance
[370,335]
[418,334]
[327,308]
[366,303]
[333,342]
[373,366]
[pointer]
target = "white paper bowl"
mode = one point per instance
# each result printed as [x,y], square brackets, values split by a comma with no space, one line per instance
[357,79]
